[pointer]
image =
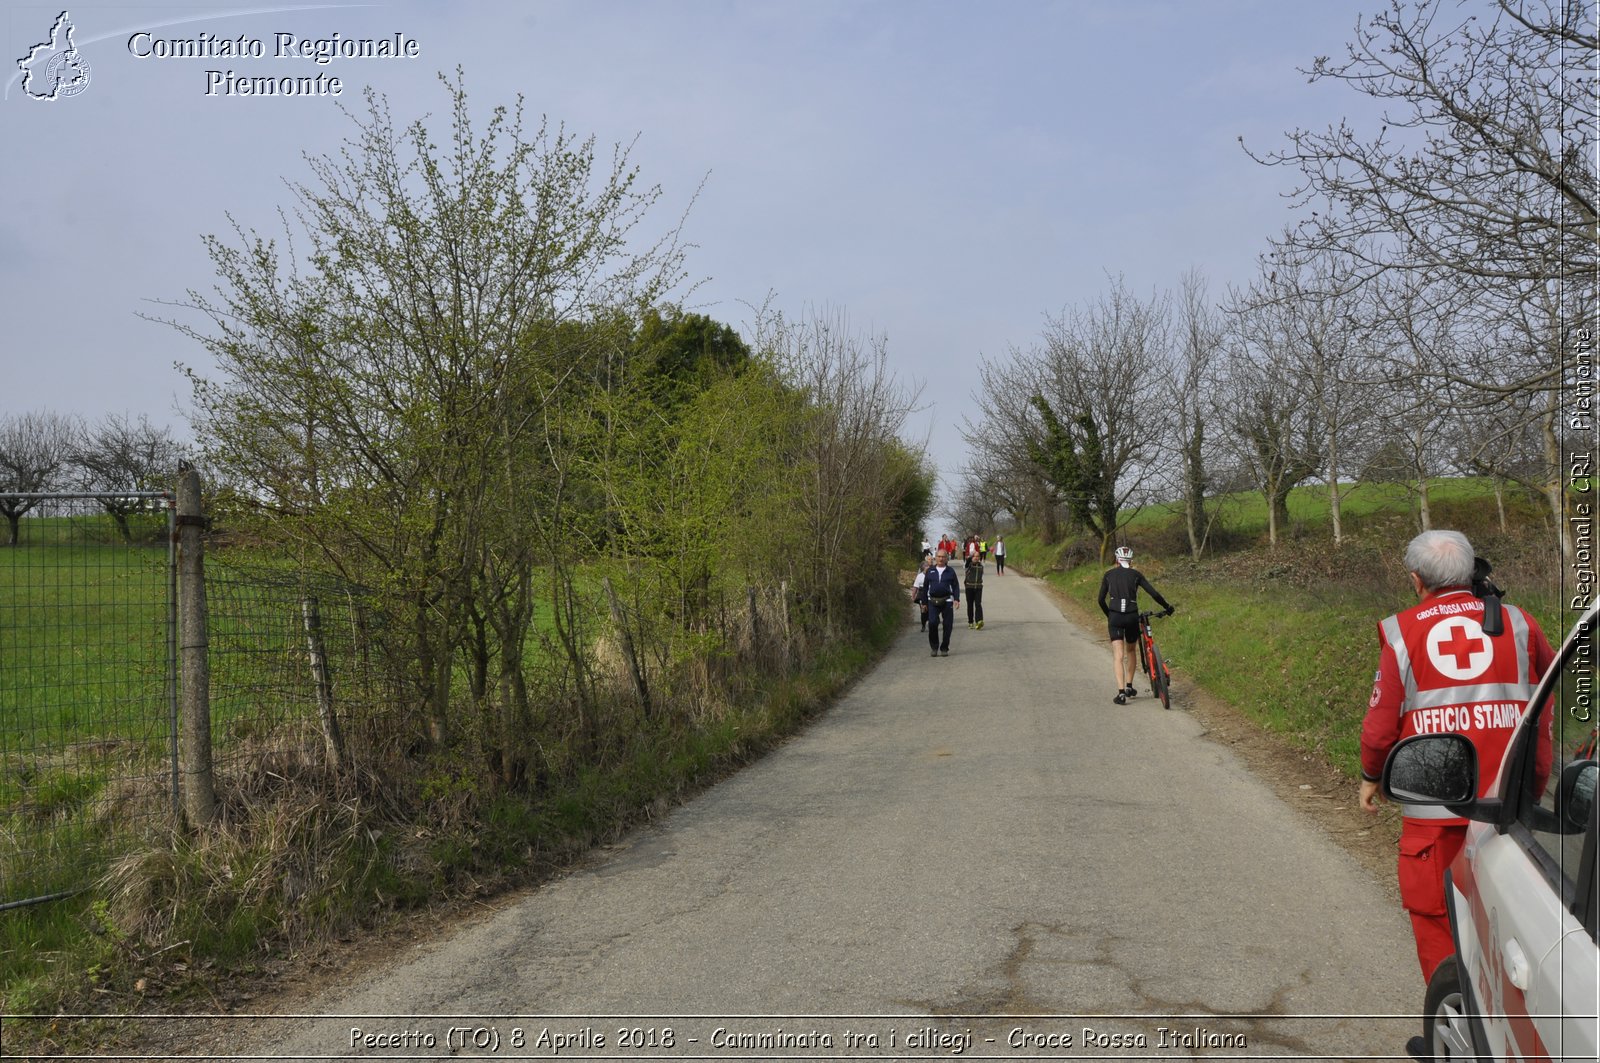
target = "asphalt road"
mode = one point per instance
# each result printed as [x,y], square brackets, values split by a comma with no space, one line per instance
[965,853]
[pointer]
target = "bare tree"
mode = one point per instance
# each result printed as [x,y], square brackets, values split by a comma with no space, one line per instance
[1483,165]
[1536,322]
[997,444]
[1316,301]
[35,451]
[1271,419]
[1421,327]
[1502,441]
[118,457]
[1099,375]
[978,502]
[1188,395]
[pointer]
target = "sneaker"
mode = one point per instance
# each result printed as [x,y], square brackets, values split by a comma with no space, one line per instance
[1417,1048]
[1121,698]
[934,653]
[980,625]
[944,653]
[1128,690]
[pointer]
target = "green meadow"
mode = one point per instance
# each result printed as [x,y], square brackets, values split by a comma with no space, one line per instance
[84,698]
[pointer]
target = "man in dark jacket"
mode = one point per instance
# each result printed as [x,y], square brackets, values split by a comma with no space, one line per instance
[942,590]
[1119,600]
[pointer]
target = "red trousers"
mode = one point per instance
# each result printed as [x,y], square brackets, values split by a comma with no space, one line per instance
[1426,851]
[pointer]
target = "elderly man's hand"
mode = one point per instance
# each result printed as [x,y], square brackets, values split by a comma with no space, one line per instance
[1371,797]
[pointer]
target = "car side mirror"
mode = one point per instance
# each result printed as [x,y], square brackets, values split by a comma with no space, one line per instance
[1432,769]
[1575,795]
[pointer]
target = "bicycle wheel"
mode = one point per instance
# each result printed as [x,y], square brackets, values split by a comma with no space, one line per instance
[1144,661]
[1160,679]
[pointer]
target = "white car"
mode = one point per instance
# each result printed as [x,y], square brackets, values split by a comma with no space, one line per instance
[1524,982]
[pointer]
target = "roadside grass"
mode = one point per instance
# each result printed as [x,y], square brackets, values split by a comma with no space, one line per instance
[1289,635]
[190,918]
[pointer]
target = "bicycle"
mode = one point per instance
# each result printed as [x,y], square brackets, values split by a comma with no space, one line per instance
[1153,664]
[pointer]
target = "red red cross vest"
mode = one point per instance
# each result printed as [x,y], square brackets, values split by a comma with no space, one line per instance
[1449,676]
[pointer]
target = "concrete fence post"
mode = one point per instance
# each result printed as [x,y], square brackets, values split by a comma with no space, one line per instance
[332,738]
[194,666]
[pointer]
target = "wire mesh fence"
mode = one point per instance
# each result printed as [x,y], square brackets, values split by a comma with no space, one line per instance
[134,698]
[87,685]
[296,668]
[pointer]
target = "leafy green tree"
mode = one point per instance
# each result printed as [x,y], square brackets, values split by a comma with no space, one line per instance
[393,378]
[681,354]
[1073,458]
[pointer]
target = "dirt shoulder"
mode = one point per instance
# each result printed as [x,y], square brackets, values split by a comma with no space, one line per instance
[1305,782]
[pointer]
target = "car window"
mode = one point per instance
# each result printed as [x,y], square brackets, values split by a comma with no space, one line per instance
[1573,715]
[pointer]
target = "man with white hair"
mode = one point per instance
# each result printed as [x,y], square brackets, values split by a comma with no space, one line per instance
[1438,671]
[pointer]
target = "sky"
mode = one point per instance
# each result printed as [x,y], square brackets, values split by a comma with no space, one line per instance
[944,174]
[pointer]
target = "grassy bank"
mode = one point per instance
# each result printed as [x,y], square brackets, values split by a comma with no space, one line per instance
[1288,634]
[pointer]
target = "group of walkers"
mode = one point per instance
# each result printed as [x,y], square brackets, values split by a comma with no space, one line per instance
[937,590]
[966,549]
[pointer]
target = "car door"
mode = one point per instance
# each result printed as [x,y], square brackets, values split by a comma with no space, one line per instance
[1538,976]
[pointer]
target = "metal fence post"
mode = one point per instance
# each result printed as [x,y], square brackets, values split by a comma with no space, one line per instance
[174,713]
[199,783]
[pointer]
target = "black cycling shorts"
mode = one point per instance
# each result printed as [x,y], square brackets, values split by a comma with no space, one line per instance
[1124,626]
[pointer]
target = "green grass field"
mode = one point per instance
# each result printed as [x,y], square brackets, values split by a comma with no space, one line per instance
[84,697]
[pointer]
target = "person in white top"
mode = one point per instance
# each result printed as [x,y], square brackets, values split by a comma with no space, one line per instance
[916,591]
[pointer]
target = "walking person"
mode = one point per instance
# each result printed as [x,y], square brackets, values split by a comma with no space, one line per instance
[1436,668]
[917,593]
[972,581]
[999,555]
[942,588]
[1119,600]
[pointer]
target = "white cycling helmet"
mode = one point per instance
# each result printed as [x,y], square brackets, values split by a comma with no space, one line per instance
[1124,554]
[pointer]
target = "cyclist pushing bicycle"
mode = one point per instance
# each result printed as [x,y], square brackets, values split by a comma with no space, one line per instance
[1119,600]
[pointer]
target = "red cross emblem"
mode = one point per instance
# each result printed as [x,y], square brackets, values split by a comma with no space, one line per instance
[1459,649]
[1462,646]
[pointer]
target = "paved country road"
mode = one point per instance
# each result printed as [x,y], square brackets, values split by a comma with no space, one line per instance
[977,855]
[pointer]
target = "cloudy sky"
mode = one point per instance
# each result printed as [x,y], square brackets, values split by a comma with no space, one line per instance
[945,173]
